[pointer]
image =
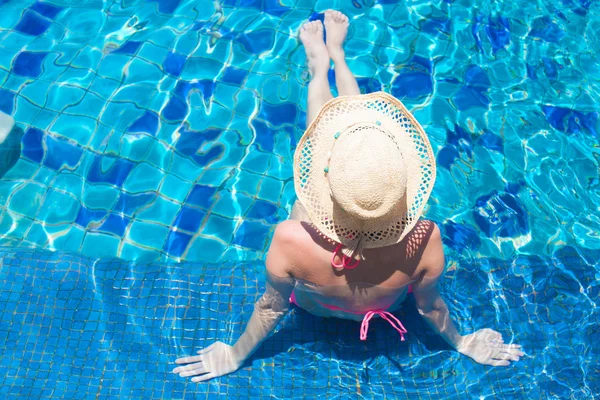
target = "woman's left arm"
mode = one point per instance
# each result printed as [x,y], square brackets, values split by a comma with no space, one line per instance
[219,358]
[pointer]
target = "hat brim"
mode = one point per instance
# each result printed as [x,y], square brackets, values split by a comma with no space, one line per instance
[311,156]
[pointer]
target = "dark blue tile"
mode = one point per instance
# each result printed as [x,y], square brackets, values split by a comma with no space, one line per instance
[412,85]
[473,93]
[29,64]
[545,28]
[205,158]
[114,174]
[32,24]
[32,145]
[189,219]
[233,75]
[201,196]
[498,31]
[129,48]
[115,224]
[491,141]
[174,63]
[251,235]
[45,9]
[176,243]
[475,31]
[460,138]
[130,203]
[571,121]
[369,85]
[447,156]
[264,135]
[263,210]
[85,216]
[166,6]
[531,72]
[60,153]
[278,114]
[7,101]
[501,215]
[257,42]
[460,236]
[436,26]
[550,68]
[190,142]
[147,123]
[175,110]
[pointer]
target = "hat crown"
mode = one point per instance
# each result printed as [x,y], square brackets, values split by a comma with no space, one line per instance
[367,174]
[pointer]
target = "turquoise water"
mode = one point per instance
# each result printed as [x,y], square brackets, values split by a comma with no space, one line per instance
[163,131]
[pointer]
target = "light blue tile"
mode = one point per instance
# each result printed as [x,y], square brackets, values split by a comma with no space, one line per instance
[246,182]
[225,94]
[256,161]
[135,147]
[78,77]
[79,129]
[71,240]
[205,249]
[151,52]
[270,189]
[139,93]
[112,66]
[201,68]
[120,115]
[44,118]
[14,225]
[129,251]
[45,176]
[187,42]
[104,87]
[159,155]
[216,177]
[184,168]
[100,245]
[89,58]
[91,105]
[37,234]
[175,188]
[164,37]
[26,111]
[62,96]
[140,71]
[22,170]
[143,178]
[36,91]
[27,199]
[220,227]
[99,196]
[149,235]
[58,208]
[68,181]
[230,205]
[162,211]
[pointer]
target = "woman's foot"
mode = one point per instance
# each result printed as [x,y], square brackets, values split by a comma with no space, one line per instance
[311,35]
[336,25]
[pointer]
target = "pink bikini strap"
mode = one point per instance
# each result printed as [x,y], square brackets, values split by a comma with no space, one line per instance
[389,317]
[345,260]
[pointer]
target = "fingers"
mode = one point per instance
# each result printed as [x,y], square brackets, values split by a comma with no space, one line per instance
[204,377]
[499,363]
[507,356]
[188,367]
[188,360]
[511,347]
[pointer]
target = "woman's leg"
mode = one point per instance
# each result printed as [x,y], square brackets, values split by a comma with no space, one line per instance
[311,35]
[336,25]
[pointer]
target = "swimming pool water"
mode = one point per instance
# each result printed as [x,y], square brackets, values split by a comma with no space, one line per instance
[163,131]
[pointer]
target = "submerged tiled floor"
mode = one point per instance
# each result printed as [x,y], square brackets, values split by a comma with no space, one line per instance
[86,328]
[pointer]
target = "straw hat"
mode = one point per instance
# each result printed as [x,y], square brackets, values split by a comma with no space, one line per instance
[364,170]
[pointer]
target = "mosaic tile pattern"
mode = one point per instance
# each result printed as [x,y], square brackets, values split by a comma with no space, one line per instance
[166,127]
[109,328]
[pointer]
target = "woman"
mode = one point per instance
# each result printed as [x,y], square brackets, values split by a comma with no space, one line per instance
[355,246]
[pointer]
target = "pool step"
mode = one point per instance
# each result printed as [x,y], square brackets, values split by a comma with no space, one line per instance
[10,143]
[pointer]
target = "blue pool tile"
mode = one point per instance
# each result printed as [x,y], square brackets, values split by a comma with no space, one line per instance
[270,189]
[257,42]
[176,243]
[27,199]
[207,249]
[460,236]
[99,195]
[175,188]
[86,215]
[161,210]
[128,203]
[501,215]
[29,64]
[144,177]
[130,48]
[109,169]
[220,227]
[252,235]
[100,245]
[175,110]
[115,224]
[32,24]
[498,31]
[151,235]
[264,135]
[7,101]
[32,145]
[165,6]
[202,196]
[61,153]
[546,29]
[148,123]
[234,76]
[58,207]
[278,114]
[189,219]
[46,9]
[491,141]
[571,121]
[174,63]
[263,210]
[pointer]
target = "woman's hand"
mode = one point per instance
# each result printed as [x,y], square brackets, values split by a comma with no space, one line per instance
[215,360]
[486,346]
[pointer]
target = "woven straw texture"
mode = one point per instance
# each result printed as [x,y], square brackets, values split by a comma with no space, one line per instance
[393,131]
